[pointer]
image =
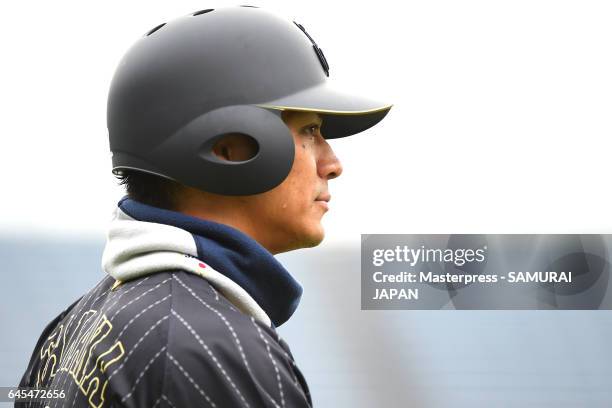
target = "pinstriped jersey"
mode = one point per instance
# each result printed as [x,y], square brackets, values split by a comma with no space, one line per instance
[168,339]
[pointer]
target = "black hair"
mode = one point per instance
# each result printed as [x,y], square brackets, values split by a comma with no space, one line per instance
[149,188]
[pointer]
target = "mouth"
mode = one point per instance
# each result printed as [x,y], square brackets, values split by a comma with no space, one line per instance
[324,197]
[323,200]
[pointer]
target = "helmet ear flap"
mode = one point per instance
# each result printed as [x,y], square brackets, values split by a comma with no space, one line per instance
[214,149]
[188,154]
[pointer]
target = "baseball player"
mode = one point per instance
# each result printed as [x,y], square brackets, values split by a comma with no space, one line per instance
[218,124]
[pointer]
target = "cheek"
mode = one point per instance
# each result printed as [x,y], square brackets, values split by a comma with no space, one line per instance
[304,175]
[296,192]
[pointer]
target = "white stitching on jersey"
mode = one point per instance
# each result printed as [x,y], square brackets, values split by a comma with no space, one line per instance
[229,326]
[103,293]
[140,314]
[186,374]
[125,292]
[289,358]
[168,401]
[278,379]
[215,292]
[116,296]
[87,298]
[137,298]
[210,353]
[144,370]
[67,374]
[135,346]
[240,349]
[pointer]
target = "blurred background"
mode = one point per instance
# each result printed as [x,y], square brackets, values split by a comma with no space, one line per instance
[501,124]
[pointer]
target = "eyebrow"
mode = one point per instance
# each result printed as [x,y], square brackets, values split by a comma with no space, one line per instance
[311,124]
[318,122]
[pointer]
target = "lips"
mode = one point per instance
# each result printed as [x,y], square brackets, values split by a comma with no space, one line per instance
[322,200]
[324,197]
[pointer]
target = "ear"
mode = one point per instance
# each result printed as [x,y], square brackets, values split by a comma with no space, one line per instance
[235,147]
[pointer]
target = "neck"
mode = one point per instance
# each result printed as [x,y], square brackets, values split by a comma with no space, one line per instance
[229,210]
[226,249]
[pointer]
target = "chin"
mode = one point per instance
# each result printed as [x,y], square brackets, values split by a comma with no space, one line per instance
[309,237]
[314,237]
[313,241]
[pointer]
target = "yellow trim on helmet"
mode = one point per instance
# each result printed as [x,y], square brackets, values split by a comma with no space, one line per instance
[333,112]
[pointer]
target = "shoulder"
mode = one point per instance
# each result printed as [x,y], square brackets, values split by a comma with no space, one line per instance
[217,355]
[169,338]
[161,294]
[155,322]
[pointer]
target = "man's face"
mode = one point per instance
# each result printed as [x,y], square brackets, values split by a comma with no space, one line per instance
[289,216]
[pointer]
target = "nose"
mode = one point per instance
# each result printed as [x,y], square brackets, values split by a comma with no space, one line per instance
[328,165]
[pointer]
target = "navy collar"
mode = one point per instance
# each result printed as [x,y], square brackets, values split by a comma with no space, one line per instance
[235,255]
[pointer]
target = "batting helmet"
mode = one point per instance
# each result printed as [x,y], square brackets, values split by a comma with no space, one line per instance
[187,83]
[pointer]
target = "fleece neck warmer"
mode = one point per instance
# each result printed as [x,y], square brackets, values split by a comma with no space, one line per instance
[143,240]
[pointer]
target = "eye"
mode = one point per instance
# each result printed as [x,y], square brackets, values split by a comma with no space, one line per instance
[312,130]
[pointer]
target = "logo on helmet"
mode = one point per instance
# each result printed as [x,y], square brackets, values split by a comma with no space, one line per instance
[317,50]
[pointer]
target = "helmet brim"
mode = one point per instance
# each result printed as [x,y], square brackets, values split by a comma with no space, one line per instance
[343,114]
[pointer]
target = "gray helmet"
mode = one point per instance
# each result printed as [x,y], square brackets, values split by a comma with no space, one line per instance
[187,83]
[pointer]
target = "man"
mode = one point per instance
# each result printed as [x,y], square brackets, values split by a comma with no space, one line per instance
[218,124]
[288,216]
